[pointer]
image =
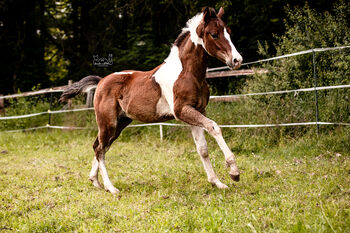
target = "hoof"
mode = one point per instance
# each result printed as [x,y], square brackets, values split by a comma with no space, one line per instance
[96,183]
[235,177]
[113,190]
[222,186]
[218,184]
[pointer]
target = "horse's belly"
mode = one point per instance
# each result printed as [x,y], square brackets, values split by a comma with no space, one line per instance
[163,108]
[147,110]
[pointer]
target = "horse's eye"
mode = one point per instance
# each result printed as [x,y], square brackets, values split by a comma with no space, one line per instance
[214,35]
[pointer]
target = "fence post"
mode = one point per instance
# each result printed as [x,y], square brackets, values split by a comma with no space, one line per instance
[2,105]
[70,82]
[161,132]
[316,95]
[49,111]
[90,98]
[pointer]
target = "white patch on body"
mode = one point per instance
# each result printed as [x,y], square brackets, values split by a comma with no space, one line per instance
[169,72]
[118,73]
[163,108]
[166,76]
[234,52]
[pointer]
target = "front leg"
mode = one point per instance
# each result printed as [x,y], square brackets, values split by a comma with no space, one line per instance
[193,117]
[202,149]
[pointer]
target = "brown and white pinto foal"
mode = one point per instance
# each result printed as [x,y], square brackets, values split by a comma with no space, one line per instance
[175,89]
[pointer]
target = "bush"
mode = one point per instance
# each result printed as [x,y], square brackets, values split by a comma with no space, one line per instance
[305,29]
[40,104]
[23,106]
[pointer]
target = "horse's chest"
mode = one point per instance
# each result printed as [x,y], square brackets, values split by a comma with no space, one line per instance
[166,76]
[174,88]
[197,98]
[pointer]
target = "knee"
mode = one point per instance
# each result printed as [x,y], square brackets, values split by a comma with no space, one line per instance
[203,151]
[214,129]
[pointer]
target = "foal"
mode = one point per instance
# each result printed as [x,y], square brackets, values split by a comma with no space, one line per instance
[175,89]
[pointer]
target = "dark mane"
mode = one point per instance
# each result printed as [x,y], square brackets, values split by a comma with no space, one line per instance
[181,38]
[212,12]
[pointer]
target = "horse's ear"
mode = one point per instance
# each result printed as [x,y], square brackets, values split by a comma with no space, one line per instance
[221,12]
[207,15]
[200,30]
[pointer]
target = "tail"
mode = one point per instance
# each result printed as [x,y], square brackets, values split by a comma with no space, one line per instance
[78,87]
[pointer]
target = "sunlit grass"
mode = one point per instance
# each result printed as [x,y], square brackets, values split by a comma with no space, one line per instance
[301,185]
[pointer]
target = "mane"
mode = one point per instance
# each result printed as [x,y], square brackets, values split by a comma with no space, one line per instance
[181,38]
[193,23]
[190,28]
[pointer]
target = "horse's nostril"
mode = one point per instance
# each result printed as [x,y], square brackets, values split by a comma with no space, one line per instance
[235,60]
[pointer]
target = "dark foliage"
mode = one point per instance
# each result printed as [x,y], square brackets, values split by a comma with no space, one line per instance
[45,42]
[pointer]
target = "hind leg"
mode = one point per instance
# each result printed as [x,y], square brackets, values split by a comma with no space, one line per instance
[93,177]
[107,134]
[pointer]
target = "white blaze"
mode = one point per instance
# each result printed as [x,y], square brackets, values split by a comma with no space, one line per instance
[235,54]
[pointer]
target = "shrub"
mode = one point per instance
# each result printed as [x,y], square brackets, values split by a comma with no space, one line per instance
[39,104]
[305,29]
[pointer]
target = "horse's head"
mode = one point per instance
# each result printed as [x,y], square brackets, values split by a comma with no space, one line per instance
[216,38]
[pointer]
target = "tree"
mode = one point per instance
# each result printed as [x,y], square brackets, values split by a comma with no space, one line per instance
[47,42]
[22,45]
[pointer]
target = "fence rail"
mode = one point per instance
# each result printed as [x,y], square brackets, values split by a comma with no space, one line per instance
[210,74]
[238,96]
[223,98]
[282,56]
[31,93]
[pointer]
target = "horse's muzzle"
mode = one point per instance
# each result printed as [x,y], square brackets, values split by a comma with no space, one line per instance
[235,63]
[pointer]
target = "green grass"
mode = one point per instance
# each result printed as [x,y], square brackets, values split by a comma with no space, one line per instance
[300,185]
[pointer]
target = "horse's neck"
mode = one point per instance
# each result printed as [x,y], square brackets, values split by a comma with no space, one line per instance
[194,59]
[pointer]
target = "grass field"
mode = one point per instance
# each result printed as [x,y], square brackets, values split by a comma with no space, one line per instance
[299,185]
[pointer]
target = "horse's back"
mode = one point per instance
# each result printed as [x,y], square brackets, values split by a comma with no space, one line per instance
[140,98]
[135,92]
